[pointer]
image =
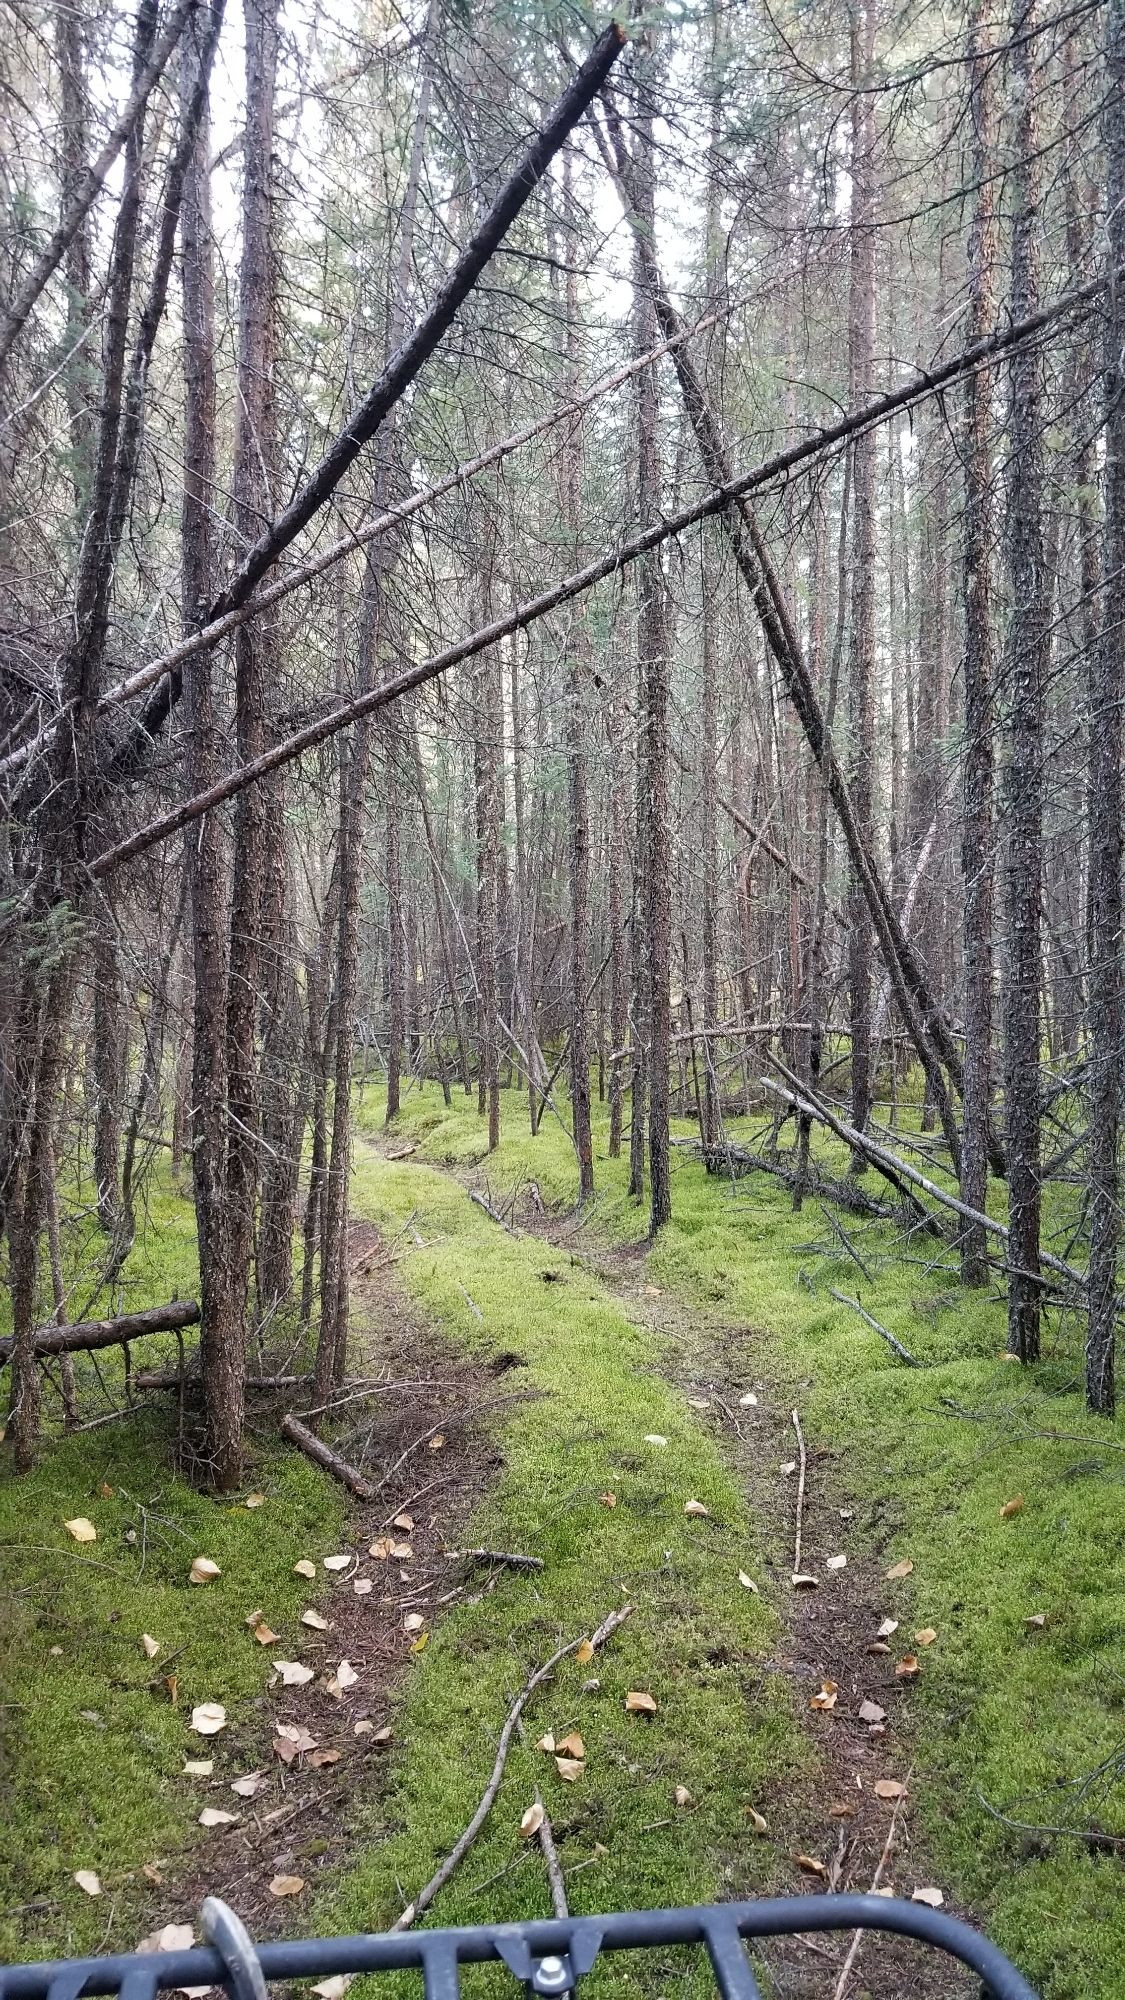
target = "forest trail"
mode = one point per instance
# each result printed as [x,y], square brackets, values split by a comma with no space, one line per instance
[822,1821]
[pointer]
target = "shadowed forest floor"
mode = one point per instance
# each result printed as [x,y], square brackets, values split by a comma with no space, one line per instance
[621,1346]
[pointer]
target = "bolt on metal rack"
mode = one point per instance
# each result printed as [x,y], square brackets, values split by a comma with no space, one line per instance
[547,1957]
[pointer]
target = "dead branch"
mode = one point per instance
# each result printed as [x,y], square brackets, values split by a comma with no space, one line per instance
[87,1334]
[800,1496]
[190,1378]
[500,1556]
[857,1936]
[895,1169]
[845,1240]
[323,1455]
[896,1346]
[493,1214]
[457,1854]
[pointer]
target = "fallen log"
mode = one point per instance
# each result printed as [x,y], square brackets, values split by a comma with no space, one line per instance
[324,1456]
[174,1378]
[87,1334]
[737,1161]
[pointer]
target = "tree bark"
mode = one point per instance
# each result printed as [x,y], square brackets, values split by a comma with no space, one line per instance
[977,856]
[1107,676]
[1027,649]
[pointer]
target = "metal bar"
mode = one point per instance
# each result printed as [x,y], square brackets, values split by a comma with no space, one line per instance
[727,1953]
[578,1938]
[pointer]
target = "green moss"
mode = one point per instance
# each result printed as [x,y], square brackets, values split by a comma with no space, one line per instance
[1002,1712]
[697,1639]
[91,1746]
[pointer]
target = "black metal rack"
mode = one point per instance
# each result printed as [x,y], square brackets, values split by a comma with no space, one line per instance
[547,1957]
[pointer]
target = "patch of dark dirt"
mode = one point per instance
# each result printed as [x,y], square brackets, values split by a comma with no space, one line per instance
[431,1459]
[833,1815]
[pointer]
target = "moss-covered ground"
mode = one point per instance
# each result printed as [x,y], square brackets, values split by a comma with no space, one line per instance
[1014,1714]
[1005,1712]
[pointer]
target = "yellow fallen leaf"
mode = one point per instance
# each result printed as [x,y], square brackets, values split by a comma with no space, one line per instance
[682,1796]
[637,1702]
[828,1696]
[286,1885]
[420,1643]
[86,1878]
[571,1746]
[933,1898]
[547,1743]
[532,1820]
[314,1620]
[570,1768]
[584,1653]
[437,1443]
[151,1646]
[264,1636]
[253,1500]
[305,1568]
[899,1570]
[756,1819]
[170,1937]
[907,1667]
[888,1788]
[208,1718]
[82,1531]
[926,1636]
[203,1570]
[811,1865]
[249,1786]
[697,1507]
[404,1521]
[1010,1507]
[380,1548]
[292,1674]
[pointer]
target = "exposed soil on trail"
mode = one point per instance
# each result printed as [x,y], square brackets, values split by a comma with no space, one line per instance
[299,1823]
[833,1817]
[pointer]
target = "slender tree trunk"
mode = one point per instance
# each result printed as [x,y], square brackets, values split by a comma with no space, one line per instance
[220,1337]
[861,665]
[576,735]
[1107,676]
[1027,647]
[977,856]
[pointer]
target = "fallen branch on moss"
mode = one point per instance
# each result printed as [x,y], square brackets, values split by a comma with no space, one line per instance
[87,1334]
[323,1455]
[499,1556]
[457,1854]
[896,1346]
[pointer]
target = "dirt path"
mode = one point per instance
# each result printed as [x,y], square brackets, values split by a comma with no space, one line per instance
[831,1649]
